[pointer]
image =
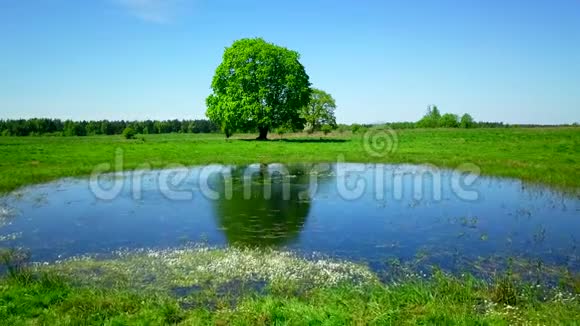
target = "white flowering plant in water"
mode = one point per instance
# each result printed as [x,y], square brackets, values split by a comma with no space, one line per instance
[5,214]
[201,266]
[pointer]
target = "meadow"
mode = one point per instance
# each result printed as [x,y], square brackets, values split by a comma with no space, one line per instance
[548,156]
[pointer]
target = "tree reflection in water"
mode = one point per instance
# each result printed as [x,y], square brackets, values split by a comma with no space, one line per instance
[267,206]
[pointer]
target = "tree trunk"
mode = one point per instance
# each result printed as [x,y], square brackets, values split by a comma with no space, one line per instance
[263,133]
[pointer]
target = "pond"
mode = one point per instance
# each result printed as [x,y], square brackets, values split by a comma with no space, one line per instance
[374,213]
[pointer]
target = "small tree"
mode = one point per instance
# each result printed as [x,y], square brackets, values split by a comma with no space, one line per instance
[280,131]
[320,110]
[129,133]
[466,121]
[355,127]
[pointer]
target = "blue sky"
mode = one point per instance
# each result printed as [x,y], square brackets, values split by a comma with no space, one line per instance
[513,61]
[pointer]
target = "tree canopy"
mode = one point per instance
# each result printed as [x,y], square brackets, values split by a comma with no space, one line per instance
[258,86]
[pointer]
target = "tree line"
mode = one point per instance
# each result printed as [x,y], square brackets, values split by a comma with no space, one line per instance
[474,124]
[57,127]
[433,118]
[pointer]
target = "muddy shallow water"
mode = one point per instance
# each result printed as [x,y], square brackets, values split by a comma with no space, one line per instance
[360,212]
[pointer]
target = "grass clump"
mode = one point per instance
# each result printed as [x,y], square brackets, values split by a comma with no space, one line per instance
[505,291]
[14,262]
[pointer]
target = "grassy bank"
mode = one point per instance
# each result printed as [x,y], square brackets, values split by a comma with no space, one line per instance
[544,155]
[285,290]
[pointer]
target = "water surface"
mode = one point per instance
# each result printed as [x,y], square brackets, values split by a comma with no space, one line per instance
[373,213]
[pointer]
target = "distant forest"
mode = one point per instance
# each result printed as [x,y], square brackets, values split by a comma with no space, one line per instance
[57,127]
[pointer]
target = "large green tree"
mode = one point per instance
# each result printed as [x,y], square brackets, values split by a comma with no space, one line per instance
[320,110]
[258,86]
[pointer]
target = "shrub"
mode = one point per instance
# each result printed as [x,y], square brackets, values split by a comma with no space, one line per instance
[342,128]
[449,120]
[326,129]
[129,133]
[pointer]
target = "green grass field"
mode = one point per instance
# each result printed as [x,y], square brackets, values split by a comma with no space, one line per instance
[548,156]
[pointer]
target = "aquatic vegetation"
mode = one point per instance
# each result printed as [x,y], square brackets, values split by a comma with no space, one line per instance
[540,235]
[201,265]
[5,214]
[10,236]
[469,222]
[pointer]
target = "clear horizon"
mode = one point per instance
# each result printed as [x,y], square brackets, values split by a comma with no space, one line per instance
[516,62]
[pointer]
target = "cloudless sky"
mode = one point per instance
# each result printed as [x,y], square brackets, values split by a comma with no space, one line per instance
[513,61]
